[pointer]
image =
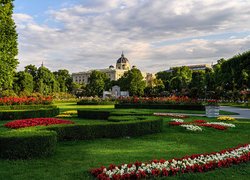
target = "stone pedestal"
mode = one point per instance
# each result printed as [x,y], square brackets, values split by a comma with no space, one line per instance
[212,111]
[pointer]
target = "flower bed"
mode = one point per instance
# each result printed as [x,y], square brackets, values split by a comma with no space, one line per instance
[187,164]
[183,100]
[194,125]
[35,122]
[25,100]
[71,113]
[171,115]
[226,118]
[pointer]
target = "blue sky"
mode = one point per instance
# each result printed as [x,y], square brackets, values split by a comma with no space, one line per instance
[79,35]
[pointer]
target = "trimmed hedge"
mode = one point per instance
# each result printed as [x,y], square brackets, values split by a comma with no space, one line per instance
[24,114]
[160,106]
[107,130]
[126,118]
[20,144]
[24,107]
[93,114]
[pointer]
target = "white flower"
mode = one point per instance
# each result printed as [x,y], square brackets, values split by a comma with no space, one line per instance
[177,120]
[222,124]
[191,127]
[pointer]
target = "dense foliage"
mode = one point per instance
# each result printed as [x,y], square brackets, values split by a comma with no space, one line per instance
[20,144]
[228,79]
[8,45]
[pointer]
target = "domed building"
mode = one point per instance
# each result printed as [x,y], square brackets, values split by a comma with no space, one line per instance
[123,63]
[114,73]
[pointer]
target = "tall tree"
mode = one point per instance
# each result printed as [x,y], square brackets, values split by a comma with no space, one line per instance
[133,81]
[8,45]
[23,83]
[97,83]
[64,79]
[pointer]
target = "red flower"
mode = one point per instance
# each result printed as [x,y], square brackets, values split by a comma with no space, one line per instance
[36,122]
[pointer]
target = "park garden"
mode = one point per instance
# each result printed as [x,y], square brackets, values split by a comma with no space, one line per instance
[41,138]
[54,128]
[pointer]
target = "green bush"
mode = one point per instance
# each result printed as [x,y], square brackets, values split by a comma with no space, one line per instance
[126,118]
[93,114]
[95,101]
[24,107]
[24,114]
[20,144]
[160,106]
[107,130]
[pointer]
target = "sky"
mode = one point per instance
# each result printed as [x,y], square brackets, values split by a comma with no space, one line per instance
[80,35]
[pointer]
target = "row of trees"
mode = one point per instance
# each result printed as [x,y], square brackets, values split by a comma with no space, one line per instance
[229,79]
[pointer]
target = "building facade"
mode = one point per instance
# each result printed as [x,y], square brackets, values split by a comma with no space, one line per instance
[114,73]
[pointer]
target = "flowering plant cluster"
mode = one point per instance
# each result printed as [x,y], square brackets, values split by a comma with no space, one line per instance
[35,122]
[160,100]
[193,126]
[226,118]
[71,113]
[186,164]
[171,115]
[177,120]
[25,100]
[212,102]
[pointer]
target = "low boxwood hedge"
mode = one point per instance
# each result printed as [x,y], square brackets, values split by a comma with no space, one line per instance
[107,130]
[126,118]
[160,106]
[93,114]
[24,114]
[26,107]
[20,144]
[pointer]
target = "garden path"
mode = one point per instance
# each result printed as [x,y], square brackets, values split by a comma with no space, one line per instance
[244,113]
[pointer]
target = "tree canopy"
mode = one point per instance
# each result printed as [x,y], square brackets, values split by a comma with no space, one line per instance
[8,45]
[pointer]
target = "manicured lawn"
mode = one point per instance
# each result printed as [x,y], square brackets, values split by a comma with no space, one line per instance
[73,159]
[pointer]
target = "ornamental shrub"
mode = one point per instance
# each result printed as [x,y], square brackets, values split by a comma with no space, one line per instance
[107,130]
[160,106]
[96,101]
[25,114]
[20,144]
[93,114]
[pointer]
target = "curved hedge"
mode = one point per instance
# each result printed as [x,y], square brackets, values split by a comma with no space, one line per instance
[107,130]
[25,114]
[26,107]
[160,106]
[20,144]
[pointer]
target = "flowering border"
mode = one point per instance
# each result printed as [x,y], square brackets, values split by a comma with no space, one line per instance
[200,122]
[186,164]
[22,123]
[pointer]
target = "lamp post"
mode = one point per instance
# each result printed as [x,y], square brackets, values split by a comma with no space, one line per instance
[205,92]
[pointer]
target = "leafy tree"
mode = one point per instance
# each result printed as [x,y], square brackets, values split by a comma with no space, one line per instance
[23,82]
[165,77]
[64,79]
[97,83]
[46,81]
[8,45]
[197,84]
[32,69]
[133,82]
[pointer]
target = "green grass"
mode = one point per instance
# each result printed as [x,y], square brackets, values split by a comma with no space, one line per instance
[73,159]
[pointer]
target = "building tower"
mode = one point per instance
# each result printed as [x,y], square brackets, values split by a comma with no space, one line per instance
[122,63]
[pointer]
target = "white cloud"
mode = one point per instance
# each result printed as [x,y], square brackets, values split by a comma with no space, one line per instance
[153,34]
